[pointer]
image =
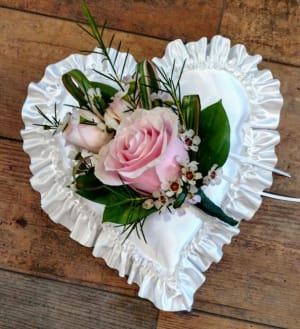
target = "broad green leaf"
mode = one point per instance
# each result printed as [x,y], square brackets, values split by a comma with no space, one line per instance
[92,189]
[87,181]
[107,91]
[122,204]
[126,211]
[74,89]
[78,85]
[215,137]
[212,209]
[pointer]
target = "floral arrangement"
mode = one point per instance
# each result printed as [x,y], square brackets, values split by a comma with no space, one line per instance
[142,147]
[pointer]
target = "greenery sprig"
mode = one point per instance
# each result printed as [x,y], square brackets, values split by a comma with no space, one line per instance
[172,88]
[105,51]
[53,121]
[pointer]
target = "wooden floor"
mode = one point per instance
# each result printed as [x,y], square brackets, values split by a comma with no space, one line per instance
[49,281]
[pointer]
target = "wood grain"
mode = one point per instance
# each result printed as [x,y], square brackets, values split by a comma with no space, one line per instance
[31,243]
[258,278]
[30,43]
[289,148]
[197,320]
[166,19]
[34,303]
[270,28]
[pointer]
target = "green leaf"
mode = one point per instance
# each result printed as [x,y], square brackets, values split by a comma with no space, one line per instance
[191,112]
[74,89]
[122,204]
[215,137]
[147,83]
[78,85]
[99,193]
[125,212]
[107,91]
[179,200]
[212,209]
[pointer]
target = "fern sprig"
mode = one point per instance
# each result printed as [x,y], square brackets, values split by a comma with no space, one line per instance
[53,122]
[104,50]
[172,88]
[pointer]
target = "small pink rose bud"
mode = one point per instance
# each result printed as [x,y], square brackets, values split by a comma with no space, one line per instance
[86,136]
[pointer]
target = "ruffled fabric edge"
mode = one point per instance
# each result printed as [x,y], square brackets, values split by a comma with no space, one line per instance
[168,292]
[259,130]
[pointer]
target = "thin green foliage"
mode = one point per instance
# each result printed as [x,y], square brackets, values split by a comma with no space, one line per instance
[53,122]
[171,87]
[104,50]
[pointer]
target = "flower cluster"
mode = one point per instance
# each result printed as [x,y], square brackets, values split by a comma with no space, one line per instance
[144,141]
[185,184]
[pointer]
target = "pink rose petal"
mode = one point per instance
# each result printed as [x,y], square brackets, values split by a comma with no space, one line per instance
[143,152]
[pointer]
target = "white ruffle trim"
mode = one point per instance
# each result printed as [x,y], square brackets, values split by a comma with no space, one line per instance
[265,102]
[50,166]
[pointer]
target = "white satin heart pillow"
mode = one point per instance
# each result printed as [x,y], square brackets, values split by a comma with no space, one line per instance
[180,246]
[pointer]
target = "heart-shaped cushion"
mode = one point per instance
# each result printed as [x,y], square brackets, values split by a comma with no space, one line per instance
[182,245]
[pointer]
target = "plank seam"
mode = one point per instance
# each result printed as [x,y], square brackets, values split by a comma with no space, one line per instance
[140,34]
[221,16]
[11,139]
[64,279]
[199,311]
[84,22]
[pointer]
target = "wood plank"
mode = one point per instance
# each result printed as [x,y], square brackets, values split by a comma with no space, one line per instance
[51,253]
[258,277]
[167,19]
[28,302]
[289,148]
[31,243]
[197,320]
[28,48]
[270,28]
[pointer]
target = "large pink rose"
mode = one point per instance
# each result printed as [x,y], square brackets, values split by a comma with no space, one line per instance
[89,137]
[144,151]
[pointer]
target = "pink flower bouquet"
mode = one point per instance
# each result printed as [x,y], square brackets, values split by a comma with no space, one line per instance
[142,147]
